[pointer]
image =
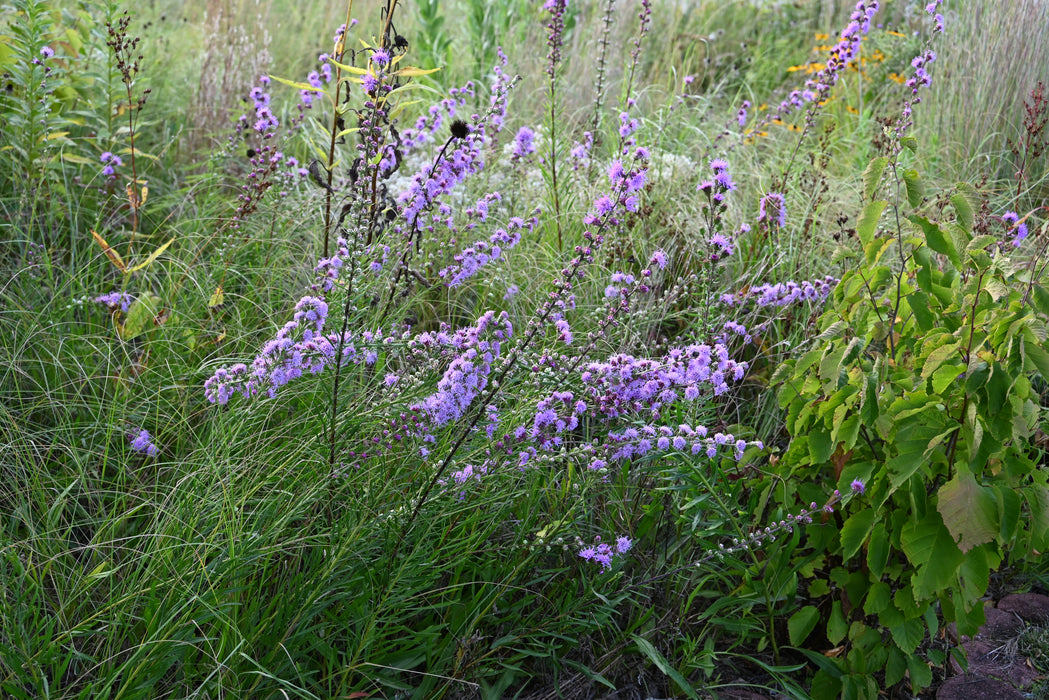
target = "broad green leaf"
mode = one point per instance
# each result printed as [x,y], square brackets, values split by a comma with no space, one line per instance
[879,597]
[1008,512]
[938,356]
[915,187]
[854,532]
[945,376]
[868,222]
[820,446]
[1035,354]
[895,666]
[140,317]
[922,310]
[663,665]
[908,635]
[801,624]
[969,511]
[837,627]
[1037,497]
[921,674]
[872,177]
[932,551]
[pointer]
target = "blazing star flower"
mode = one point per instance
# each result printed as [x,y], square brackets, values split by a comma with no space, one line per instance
[1012,220]
[380,57]
[524,143]
[47,52]
[659,258]
[773,208]
[144,443]
[858,487]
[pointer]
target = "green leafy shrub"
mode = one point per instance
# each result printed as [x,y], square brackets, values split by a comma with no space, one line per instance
[920,398]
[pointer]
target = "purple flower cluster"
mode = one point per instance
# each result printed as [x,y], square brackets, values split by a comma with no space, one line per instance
[116,300]
[772,209]
[784,294]
[581,151]
[430,123]
[1011,220]
[299,346]
[625,184]
[720,184]
[633,443]
[435,180]
[142,442]
[931,9]
[628,385]
[524,143]
[467,375]
[603,553]
[554,31]
[469,262]
[111,161]
[845,51]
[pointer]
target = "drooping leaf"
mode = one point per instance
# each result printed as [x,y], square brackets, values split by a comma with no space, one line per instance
[113,255]
[915,187]
[969,511]
[868,222]
[872,176]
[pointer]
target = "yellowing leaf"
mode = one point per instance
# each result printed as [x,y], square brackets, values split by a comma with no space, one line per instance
[411,72]
[153,256]
[350,69]
[294,84]
[114,256]
[969,511]
[217,298]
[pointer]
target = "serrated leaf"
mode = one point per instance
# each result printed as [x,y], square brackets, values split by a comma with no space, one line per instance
[868,222]
[872,176]
[932,551]
[837,628]
[1036,355]
[915,187]
[801,624]
[832,331]
[910,143]
[908,635]
[969,511]
[878,549]
[937,357]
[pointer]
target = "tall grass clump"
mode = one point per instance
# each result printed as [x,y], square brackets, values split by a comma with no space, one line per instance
[650,362]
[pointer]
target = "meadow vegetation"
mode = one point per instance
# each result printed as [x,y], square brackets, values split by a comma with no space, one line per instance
[447,348]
